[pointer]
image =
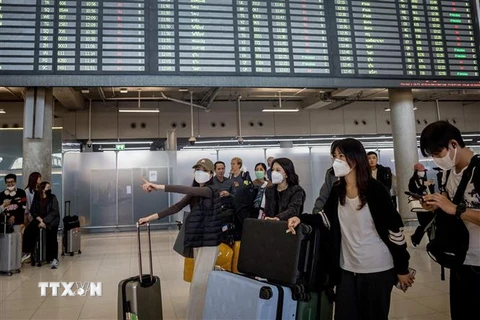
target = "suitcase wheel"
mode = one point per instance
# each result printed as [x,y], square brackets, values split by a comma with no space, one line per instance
[18,270]
[79,251]
[9,274]
[266,293]
[39,264]
[63,253]
[307,229]
[71,254]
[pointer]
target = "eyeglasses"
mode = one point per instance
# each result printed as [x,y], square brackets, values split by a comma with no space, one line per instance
[10,182]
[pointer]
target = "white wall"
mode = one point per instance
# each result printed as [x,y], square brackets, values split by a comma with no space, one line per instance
[356,118]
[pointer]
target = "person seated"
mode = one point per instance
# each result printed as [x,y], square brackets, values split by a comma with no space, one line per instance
[419,184]
[285,198]
[45,214]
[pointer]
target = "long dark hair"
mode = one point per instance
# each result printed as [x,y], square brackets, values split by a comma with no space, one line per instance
[288,167]
[357,160]
[32,181]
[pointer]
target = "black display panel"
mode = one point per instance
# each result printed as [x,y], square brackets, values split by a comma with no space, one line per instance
[312,43]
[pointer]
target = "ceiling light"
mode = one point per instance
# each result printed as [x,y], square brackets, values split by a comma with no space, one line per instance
[415,108]
[388,109]
[139,110]
[85,91]
[183,89]
[123,90]
[3,111]
[280,110]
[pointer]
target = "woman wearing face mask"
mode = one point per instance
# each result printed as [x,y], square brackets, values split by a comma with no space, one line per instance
[261,175]
[285,198]
[202,228]
[420,185]
[45,214]
[366,252]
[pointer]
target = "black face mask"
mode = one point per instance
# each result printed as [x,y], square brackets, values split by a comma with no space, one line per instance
[48,192]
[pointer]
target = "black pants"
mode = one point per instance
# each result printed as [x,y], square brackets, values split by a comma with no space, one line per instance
[364,296]
[465,293]
[424,218]
[30,237]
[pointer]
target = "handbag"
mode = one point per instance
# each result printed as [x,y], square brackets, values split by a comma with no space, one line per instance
[179,245]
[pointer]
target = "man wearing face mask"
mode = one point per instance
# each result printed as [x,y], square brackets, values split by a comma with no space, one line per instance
[420,185]
[444,143]
[14,202]
[203,229]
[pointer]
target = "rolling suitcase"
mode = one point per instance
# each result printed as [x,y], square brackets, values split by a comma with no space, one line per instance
[140,297]
[266,246]
[71,237]
[40,251]
[320,307]
[10,251]
[233,296]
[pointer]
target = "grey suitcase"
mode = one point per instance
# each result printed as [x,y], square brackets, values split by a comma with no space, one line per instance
[140,297]
[71,238]
[40,251]
[233,296]
[10,251]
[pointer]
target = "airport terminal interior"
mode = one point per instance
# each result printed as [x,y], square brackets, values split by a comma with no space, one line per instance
[98,95]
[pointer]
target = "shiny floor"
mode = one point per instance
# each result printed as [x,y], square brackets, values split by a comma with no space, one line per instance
[108,258]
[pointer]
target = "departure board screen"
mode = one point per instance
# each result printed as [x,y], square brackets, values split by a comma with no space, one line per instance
[326,43]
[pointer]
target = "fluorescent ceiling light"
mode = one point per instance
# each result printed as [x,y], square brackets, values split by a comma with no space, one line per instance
[121,142]
[123,90]
[139,110]
[183,89]
[280,110]
[2,111]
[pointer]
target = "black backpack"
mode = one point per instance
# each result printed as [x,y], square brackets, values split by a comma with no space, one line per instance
[448,235]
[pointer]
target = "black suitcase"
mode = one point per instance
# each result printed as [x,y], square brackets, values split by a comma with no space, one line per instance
[40,251]
[269,252]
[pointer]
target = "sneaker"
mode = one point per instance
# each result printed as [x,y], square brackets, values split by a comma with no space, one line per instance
[25,257]
[414,243]
[54,264]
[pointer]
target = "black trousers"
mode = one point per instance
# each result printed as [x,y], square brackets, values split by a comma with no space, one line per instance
[364,296]
[424,218]
[465,293]
[30,236]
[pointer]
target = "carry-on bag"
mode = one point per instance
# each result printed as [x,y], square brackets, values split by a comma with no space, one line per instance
[233,296]
[320,307]
[140,297]
[10,250]
[269,252]
[71,237]
[40,250]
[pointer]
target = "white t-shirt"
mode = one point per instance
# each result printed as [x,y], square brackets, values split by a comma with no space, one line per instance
[472,200]
[362,249]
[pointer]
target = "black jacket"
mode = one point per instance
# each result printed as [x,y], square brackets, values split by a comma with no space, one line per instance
[384,175]
[52,218]
[203,227]
[289,202]
[17,205]
[387,220]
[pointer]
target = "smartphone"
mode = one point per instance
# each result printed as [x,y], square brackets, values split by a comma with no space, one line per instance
[412,274]
[414,195]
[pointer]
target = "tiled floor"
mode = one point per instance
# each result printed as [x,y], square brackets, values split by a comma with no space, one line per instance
[111,257]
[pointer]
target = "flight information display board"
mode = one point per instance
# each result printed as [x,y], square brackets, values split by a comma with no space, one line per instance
[317,42]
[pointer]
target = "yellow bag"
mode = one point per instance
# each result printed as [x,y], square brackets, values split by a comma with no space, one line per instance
[224,261]
[236,254]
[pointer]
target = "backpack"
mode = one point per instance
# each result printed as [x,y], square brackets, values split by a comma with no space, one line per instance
[448,235]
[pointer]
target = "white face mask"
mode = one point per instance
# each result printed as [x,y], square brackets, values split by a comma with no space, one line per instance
[341,168]
[445,163]
[11,188]
[277,177]
[201,176]
[421,174]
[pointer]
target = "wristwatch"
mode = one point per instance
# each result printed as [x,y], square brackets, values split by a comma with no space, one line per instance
[461,208]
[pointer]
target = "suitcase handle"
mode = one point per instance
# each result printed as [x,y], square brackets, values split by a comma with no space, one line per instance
[67,212]
[140,253]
